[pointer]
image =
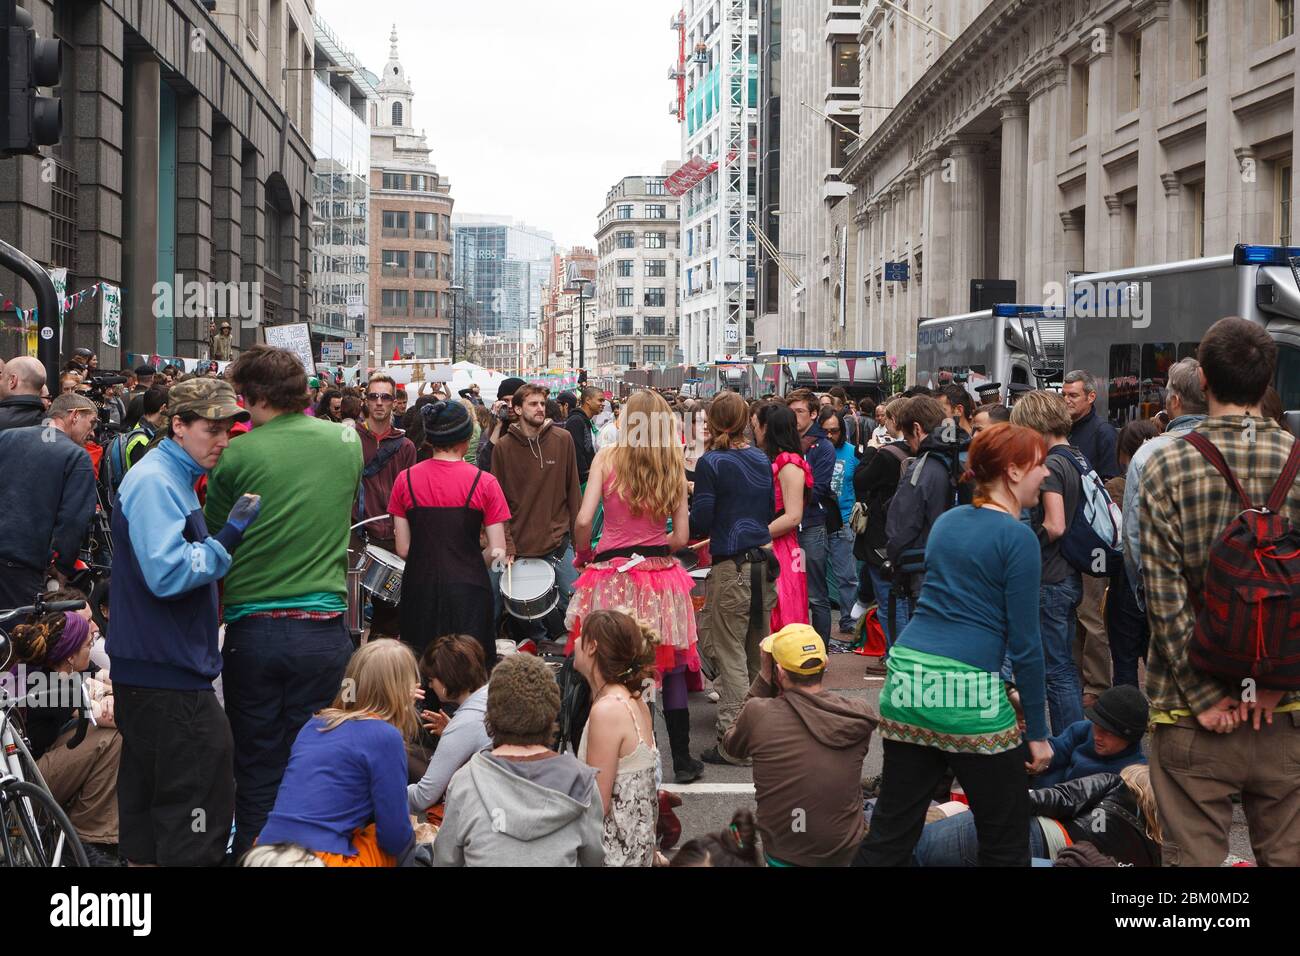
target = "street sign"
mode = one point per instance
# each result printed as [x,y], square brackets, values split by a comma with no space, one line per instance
[896,271]
[732,335]
[353,347]
[331,353]
[408,344]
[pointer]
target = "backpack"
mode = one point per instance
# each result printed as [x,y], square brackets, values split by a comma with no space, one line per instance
[116,458]
[1093,543]
[1245,621]
[858,517]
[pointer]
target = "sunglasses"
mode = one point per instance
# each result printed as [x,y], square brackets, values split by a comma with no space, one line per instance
[380,397]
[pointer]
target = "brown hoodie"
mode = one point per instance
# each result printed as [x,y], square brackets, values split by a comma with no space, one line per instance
[807,751]
[540,479]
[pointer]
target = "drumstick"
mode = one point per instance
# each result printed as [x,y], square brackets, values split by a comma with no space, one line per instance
[698,544]
[509,588]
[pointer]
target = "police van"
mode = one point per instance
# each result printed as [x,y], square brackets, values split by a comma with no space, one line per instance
[1006,345]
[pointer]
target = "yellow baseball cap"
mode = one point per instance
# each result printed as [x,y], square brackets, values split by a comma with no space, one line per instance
[797,648]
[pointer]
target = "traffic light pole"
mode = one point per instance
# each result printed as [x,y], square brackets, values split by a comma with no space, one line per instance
[47,305]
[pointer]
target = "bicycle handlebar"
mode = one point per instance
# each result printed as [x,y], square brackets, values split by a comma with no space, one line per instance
[45,607]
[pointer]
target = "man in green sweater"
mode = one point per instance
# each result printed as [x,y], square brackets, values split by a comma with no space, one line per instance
[286,643]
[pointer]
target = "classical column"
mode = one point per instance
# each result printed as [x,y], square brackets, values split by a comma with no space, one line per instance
[1176,245]
[967,220]
[140,222]
[1115,232]
[936,231]
[1251,225]
[1072,246]
[1013,196]
[1048,127]
[1150,234]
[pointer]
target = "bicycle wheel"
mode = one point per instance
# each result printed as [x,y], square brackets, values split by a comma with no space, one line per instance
[35,830]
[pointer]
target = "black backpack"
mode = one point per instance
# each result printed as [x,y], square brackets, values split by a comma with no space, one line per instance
[575,706]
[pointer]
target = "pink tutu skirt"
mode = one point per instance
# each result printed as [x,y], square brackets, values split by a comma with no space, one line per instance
[657,591]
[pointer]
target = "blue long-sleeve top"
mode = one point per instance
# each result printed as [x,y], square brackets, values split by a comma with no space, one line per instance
[979,604]
[338,781]
[734,500]
[820,456]
[1074,755]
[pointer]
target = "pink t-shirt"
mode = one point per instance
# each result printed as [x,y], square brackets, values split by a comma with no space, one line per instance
[444,484]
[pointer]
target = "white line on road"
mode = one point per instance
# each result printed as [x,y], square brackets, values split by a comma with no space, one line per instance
[689,788]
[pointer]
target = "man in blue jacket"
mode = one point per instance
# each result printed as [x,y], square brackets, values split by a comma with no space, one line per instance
[48,500]
[820,455]
[1107,742]
[176,785]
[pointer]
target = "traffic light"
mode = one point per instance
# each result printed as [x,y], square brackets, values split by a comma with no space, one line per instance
[26,63]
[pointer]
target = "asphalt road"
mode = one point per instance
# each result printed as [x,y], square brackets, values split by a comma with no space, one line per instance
[708,804]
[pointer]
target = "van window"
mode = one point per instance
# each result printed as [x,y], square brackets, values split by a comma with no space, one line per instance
[1187,350]
[1122,384]
[1156,359]
[1288,377]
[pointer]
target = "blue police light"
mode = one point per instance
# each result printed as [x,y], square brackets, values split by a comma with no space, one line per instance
[1243,255]
[1009,311]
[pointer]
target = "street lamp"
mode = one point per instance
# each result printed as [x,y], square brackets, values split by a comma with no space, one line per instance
[455,291]
[581,285]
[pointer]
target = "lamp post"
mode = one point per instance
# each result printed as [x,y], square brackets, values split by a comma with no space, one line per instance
[581,285]
[455,291]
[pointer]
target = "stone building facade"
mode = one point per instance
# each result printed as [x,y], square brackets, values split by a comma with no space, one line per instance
[1060,136]
[185,151]
[410,229]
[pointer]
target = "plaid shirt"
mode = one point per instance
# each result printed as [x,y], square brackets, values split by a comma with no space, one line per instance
[1185,505]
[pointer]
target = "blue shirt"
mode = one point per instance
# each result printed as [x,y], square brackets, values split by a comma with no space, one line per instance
[846,460]
[1074,755]
[734,500]
[339,780]
[979,603]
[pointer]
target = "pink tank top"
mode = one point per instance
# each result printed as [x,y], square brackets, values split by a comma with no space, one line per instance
[623,529]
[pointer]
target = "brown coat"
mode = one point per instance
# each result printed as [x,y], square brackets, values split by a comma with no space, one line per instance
[540,479]
[379,487]
[808,751]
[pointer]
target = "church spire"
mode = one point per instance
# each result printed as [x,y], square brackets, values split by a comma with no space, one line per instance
[392,43]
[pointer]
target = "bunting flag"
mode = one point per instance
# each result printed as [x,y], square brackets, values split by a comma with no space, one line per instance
[761,369]
[813,366]
[851,365]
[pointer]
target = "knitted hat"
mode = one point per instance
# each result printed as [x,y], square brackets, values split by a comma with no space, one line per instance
[1083,854]
[446,424]
[508,388]
[523,701]
[1122,710]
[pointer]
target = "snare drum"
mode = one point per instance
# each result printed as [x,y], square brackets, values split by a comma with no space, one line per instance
[529,589]
[381,574]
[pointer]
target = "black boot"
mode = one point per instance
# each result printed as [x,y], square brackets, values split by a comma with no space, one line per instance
[685,767]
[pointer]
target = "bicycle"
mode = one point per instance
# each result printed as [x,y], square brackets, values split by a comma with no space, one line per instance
[34,830]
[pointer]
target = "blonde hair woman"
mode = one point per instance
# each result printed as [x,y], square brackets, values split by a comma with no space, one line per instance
[641,483]
[343,795]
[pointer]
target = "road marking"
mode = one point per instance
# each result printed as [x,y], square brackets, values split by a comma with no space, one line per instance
[690,788]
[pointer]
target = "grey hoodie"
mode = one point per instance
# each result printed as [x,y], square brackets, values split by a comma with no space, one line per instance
[463,737]
[522,813]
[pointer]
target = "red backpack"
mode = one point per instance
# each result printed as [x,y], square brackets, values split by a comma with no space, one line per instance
[1248,617]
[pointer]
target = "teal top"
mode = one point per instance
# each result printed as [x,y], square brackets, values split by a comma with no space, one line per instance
[294,555]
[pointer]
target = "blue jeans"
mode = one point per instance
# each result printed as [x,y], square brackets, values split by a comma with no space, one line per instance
[844,568]
[812,541]
[275,673]
[953,842]
[1056,605]
[902,613]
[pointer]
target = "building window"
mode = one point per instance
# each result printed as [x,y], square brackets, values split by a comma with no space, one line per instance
[1135,100]
[397,114]
[624,324]
[394,180]
[654,353]
[426,265]
[63,218]
[394,263]
[622,355]
[426,304]
[426,226]
[843,142]
[1079,101]
[845,64]
[656,211]
[624,299]
[656,268]
[1200,35]
[656,240]
[394,224]
[624,270]
[655,187]
[625,212]
[393,301]
[1284,11]
[1284,203]
[625,240]
[655,298]
[653,325]
[1198,220]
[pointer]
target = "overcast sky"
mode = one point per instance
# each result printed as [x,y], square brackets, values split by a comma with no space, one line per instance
[533,108]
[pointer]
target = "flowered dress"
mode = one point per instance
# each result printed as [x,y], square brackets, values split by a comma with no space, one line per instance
[792,585]
[629,834]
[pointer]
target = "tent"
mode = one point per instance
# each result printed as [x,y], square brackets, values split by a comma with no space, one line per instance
[465,374]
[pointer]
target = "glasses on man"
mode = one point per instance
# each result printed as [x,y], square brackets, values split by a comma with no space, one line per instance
[379,397]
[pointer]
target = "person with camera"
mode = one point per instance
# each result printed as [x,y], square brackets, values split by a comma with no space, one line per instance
[21,381]
[176,795]
[48,501]
[503,415]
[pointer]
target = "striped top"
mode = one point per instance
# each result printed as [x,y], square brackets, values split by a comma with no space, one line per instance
[733,500]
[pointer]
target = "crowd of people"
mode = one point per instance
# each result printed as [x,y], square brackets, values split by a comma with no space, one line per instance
[1050,603]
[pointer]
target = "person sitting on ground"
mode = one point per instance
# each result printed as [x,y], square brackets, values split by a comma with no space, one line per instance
[1109,740]
[454,667]
[343,794]
[77,747]
[522,804]
[1116,812]
[797,732]
[734,846]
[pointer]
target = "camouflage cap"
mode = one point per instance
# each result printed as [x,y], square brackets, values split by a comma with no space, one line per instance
[211,398]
